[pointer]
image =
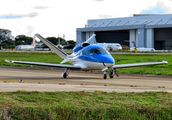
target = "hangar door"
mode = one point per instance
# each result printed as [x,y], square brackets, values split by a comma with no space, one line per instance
[163,38]
[121,37]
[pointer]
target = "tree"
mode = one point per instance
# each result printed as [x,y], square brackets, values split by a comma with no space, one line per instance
[62,41]
[5,35]
[6,38]
[71,42]
[8,44]
[23,40]
[53,40]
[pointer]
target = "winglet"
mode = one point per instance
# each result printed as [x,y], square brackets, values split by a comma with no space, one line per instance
[165,62]
[9,61]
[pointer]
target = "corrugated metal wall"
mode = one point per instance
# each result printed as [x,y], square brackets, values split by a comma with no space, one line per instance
[163,38]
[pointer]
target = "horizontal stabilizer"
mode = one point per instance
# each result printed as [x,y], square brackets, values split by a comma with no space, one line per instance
[52,46]
[138,64]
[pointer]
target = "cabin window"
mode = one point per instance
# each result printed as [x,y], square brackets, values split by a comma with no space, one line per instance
[85,52]
[81,52]
[105,51]
[95,51]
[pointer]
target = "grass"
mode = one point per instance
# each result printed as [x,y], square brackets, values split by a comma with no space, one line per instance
[119,58]
[87,105]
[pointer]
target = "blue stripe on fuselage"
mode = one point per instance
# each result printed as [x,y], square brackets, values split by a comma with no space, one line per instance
[106,58]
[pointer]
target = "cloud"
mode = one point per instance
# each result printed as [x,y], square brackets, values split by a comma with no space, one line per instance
[98,0]
[158,8]
[58,17]
[9,17]
[166,6]
[30,30]
[14,16]
[105,16]
[40,7]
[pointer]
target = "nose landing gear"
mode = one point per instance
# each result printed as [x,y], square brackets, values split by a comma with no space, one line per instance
[111,74]
[105,75]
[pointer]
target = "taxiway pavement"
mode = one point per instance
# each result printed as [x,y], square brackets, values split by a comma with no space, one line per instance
[11,76]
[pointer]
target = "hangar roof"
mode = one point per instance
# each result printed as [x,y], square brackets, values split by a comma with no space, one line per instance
[138,21]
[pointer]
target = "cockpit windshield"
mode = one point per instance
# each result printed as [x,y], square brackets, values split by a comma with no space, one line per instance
[105,51]
[95,51]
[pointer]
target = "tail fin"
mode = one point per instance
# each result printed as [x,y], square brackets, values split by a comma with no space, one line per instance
[33,42]
[52,46]
[91,38]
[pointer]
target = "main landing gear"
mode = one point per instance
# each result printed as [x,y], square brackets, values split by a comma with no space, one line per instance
[65,73]
[111,74]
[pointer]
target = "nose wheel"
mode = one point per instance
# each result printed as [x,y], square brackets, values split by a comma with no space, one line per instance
[105,75]
[111,74]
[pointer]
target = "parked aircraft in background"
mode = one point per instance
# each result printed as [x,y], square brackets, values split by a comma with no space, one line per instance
[85,57]
[142,49]
[26,47]
[107,46]
[110,46]
[135,48]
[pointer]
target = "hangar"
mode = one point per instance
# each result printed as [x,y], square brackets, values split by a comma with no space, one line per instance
[146,30]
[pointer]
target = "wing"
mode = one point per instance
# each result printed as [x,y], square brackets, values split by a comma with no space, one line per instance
[72,67]
[138,64]
[52,46]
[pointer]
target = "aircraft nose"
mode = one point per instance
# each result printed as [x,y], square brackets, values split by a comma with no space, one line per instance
[108,59]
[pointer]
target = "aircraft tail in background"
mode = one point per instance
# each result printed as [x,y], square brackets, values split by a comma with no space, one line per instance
[33,42]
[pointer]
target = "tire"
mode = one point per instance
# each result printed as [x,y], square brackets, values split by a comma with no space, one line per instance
[104,76]
[111,75]
[65,75]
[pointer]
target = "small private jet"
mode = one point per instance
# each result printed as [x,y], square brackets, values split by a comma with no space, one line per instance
[85,57]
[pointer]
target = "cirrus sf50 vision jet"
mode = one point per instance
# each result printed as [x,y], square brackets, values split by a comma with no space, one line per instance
[85,57]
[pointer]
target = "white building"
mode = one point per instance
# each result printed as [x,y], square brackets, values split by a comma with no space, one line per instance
[149,31]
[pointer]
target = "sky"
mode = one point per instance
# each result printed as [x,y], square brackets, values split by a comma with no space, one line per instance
[53,18]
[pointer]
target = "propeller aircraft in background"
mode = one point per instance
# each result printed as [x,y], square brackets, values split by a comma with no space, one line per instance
[85,57]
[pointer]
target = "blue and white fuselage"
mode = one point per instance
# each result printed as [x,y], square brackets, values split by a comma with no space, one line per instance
[92,57]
